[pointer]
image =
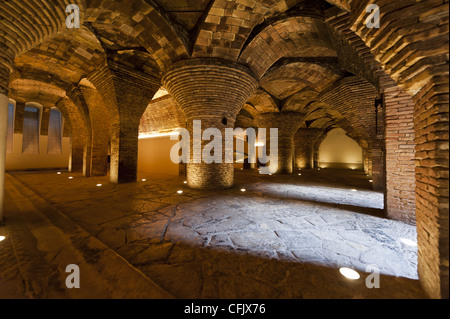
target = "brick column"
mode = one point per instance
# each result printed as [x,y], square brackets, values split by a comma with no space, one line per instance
[304,140]
[213,91]
[400,153]
[288,124]
[420,66]
[18,117]
[127,93]
[77,97]
[432,185]
[317,145]
[78,131]
[377,165]
[367,154]
[101,126]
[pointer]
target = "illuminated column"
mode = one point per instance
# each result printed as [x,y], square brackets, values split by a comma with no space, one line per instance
[4,101]
[305,140]
[74,117]
[213,91]
[127,92]
[288,124]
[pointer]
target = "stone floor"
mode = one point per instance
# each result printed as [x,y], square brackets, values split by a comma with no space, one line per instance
[283,237]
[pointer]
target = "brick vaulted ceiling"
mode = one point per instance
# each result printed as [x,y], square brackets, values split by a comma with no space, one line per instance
[286,43]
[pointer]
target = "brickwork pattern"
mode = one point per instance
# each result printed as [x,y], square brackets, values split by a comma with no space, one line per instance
[412,46]
[78,133]
[213,91]
[101,130]
[41,61]
[287,124]
[282,39]
[163,115]
[305,140]
[127,93]
[77,97]
[400,155]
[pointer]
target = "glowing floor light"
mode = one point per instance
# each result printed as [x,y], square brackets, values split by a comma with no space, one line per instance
[59,173]
[144,180]
[349,273]
[2,238]
[180,192]
[185,182]
[243,190]
[70,177]
[354,190]
[99,185]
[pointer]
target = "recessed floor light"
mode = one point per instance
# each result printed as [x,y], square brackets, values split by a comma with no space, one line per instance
[299,174]
[144,180]
[354,190]
[70,177]
[180,192]
[243,190]
[2,238]
[185,182]
[59,173]
[99,185]
[349,273]
[371,181]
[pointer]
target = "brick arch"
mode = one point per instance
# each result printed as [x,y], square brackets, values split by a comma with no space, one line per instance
[412,46]
[23,25]
[228,25]
[64,60]
[323,116]
[163,115]
[246,118]
[152,29]
[291,37]
[354,98]
[298,81]
[263,102]
[29,89]
[364,144]
[32,21]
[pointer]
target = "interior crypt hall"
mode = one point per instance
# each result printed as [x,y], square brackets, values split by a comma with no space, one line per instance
[224,149]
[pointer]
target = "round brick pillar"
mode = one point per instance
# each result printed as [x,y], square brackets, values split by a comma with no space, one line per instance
[288,124]
[213,91]
[305,140]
